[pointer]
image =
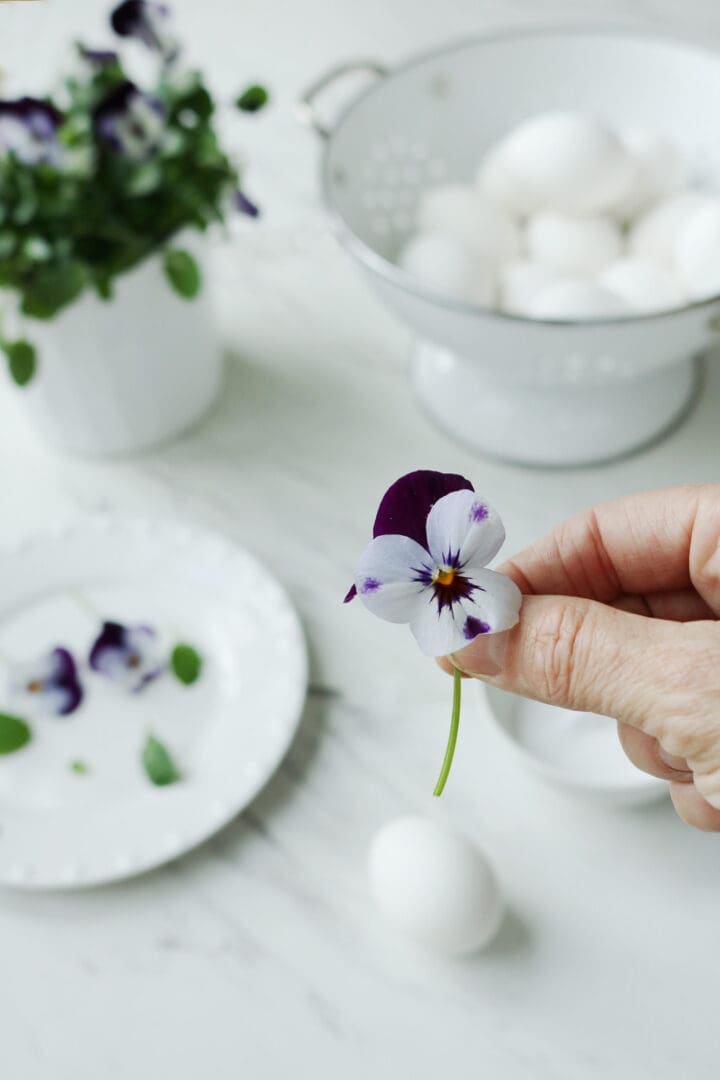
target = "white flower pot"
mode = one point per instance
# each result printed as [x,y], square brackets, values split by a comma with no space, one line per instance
[122,375]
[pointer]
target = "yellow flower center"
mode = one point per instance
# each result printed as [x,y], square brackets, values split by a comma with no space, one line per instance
[35,686]
[444,575]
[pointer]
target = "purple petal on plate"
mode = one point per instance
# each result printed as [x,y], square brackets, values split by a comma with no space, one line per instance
[245,206]
[406,504]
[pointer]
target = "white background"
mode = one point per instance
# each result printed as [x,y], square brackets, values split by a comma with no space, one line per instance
[259,956]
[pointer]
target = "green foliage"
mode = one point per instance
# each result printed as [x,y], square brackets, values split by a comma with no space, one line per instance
[14,734]
[182,272]
[186,664]
[21,360]
[252,99]
[96,213]
[158,764]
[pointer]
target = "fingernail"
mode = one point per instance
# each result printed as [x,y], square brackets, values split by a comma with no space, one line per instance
[673,760]
[484,658]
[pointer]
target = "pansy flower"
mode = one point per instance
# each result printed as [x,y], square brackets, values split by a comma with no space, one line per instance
[127,655]
[147,22]
[427,566]
[49,685]
[28,129]
[129,121]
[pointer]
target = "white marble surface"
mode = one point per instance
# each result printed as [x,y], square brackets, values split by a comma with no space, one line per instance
[259,955]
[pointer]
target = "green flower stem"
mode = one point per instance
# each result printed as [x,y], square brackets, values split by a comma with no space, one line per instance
[452,737]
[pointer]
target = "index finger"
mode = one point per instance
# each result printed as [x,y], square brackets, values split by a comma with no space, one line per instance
[646,543]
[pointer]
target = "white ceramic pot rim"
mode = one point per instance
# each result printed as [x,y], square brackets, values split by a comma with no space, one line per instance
[394,274]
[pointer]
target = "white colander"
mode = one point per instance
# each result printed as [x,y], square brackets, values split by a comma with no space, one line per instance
[548,392]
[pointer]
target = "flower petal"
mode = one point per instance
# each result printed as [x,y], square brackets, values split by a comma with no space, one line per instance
[462,527]
[405,506]
[493,607]
[386,577]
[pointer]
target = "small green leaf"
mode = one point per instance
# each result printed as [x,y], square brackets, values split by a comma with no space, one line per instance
[22,361]
[52,287]
[79,767]
[186,664]
[158,764]
[14,734]
[145,179]
[182,272]
[252,99]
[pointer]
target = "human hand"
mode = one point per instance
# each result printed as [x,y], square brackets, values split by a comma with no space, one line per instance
[620,617]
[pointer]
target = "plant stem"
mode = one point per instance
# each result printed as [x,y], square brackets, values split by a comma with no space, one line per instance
[452,737]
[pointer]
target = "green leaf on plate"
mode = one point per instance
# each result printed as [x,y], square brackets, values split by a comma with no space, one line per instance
[186,664]
[182,272]
[252,99]
[80,767]
[14,734]
[22,361]
[158,764]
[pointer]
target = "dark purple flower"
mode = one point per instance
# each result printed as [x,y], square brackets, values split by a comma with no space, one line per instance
[245,206]
[28,129]
[405,506]
[127,655]
[50,685]
[129,121]
[148,22]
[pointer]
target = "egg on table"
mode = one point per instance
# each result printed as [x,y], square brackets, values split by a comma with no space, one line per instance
[434,886]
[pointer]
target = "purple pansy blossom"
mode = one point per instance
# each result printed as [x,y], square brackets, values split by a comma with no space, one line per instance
[427,563]
[98,57]
[148,22]
[28,129]
[127,655]
[129,121]
[50,685]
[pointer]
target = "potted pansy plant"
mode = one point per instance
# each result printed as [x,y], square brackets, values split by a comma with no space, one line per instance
[105,325]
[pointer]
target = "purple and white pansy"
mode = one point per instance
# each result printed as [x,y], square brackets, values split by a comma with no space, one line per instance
[147,22]
[129,121]
[128,655]
[427,563]
[49,685]
[28,130]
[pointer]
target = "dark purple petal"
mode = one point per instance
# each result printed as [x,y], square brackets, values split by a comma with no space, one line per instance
[42,118]
[145,21]
[65,677]
[245,206]
[119,120]
[405,506]
[111,638]
[474,627]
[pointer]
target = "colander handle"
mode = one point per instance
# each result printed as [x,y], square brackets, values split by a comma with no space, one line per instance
[306,106]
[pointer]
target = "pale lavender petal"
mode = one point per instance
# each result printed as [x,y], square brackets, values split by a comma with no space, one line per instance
[389,577]
[463,528]
[493,606]
[437,630]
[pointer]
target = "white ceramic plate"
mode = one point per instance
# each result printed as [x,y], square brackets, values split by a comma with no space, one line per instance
[227,732]
[579,752]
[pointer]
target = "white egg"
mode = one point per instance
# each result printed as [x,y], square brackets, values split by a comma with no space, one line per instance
[572,245]
[561,160]
[448,267]
[471,218]
[644,286]
[658,170]
[575,299]
[655,234]
[520,282]
[434,886]
[697,252]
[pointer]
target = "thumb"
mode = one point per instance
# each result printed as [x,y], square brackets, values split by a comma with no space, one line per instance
[578,654]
